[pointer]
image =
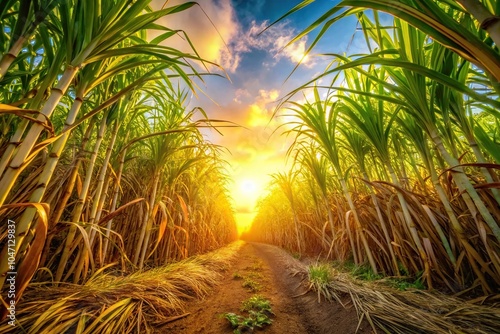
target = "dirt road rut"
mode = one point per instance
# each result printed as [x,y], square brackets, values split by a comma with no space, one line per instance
[274,274]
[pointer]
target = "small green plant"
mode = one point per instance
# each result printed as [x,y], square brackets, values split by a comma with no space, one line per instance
[254,275]
[404,284]
[365,273]
[251,285]
[402,269]
[234,319]
[320,276]
[257,266]
[260,319]
[259,312]
[257,303]
[362,272]
[237,276]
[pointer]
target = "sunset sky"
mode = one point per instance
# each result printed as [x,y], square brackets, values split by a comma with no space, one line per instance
[258,67]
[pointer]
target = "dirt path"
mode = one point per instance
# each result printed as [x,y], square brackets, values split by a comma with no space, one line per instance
[270,272]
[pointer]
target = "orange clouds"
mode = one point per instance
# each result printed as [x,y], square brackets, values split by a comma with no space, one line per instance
[209,26]
[260,112]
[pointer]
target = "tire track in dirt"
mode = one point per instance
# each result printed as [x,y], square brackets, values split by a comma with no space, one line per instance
[273,270]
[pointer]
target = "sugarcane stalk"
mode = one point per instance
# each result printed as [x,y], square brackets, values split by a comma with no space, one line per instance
[464,184]
[77,211]
[18,161]
[143,242]
[368,251]
[61,204]
[114,202]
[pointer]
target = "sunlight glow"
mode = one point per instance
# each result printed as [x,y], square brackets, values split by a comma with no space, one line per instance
[244,221]
[248,187]
[246,191]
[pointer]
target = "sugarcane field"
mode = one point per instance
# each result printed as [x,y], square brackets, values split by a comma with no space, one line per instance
[250,166]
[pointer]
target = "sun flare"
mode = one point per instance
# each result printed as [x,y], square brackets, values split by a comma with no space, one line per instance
[248,187]
[246,192]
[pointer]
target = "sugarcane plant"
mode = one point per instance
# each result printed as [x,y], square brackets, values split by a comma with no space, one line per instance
[100,157]
[408,130]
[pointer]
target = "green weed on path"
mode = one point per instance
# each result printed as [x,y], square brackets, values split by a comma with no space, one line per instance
[258,312]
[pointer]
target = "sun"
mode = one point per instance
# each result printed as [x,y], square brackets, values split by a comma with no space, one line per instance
[246,193]
[248,187]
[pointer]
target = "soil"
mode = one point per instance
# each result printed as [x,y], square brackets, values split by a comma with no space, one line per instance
[281,280]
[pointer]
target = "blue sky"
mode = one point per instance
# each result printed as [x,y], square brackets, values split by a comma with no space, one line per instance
[258,66]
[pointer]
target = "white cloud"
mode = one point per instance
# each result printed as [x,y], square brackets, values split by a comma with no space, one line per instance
[275,40]
[241,94]
[217,35]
